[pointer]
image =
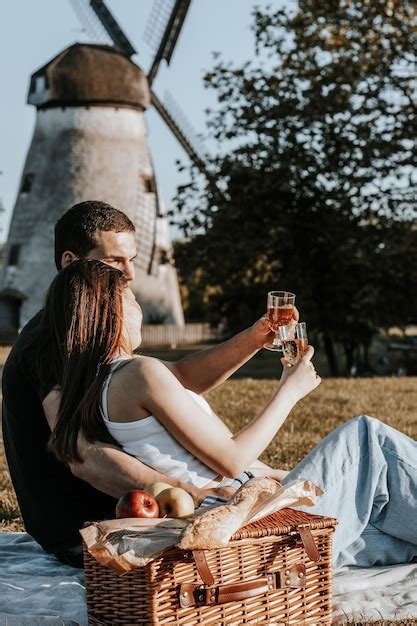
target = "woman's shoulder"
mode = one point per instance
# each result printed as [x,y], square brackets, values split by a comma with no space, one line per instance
[147,369]
[142,379]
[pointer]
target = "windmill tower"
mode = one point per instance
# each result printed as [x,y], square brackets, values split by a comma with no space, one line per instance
[90,143]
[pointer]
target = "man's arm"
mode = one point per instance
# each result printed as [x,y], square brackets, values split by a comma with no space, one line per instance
[114,472]
[109,469]
[207,369]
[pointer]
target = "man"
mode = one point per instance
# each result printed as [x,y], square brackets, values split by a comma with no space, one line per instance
[55,500]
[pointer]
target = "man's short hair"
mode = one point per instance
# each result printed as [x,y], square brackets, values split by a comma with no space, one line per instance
[75,230]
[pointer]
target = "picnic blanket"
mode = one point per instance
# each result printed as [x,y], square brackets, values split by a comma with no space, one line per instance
[35,588]
[38,590]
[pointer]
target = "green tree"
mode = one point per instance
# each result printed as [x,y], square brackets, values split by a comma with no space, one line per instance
[319,165]
[397,276]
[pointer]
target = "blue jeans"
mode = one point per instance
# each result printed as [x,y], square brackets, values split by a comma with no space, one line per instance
[368,472]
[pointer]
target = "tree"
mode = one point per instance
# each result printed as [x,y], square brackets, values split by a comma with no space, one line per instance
[319,164]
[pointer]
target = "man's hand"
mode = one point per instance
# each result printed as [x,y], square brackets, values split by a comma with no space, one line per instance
[221,492]
[261,331]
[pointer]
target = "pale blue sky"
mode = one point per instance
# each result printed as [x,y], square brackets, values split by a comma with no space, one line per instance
[32,32]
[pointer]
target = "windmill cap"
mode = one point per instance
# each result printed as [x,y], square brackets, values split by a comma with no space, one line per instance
[89,74]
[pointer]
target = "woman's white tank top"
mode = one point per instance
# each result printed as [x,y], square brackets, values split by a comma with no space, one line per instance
[150,442]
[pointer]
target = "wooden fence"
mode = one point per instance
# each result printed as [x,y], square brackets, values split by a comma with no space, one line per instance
[155,335]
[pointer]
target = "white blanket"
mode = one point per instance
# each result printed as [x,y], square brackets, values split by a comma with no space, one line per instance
[37,590]
[375,593]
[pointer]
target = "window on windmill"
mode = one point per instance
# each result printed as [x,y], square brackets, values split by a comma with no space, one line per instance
[38,84]
[27,183]
[149,184]
[14,255]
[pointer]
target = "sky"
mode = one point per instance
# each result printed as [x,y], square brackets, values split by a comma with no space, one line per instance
[32,32]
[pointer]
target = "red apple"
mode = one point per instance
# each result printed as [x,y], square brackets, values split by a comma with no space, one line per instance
[137,503]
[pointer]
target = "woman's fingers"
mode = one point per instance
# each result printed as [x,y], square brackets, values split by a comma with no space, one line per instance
[311,367]
[285,363]
[309,354]
[306,359]
[301,379]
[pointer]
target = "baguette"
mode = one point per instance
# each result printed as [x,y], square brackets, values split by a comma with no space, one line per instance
[214,528]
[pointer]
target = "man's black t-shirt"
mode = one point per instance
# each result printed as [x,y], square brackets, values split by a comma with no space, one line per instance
[53,502]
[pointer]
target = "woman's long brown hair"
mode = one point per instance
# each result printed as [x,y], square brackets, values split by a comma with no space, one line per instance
[80,333]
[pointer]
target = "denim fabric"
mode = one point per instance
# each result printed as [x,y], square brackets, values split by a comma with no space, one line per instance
[368,472]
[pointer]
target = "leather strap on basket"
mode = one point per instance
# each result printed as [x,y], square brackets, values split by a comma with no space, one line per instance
[309,543]
[202,595]
[203,567]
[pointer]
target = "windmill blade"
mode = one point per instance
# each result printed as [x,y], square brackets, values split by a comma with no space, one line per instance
[91,26]
[101,25]
[112,27]
[171,33]
[175,127]
[2,209]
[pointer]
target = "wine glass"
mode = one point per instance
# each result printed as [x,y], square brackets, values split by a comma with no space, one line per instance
[280,308]
[294,341]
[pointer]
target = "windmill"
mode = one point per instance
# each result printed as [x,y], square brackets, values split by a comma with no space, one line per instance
[90,142]
[1,220]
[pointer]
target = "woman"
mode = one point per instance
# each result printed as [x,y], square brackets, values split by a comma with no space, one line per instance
[91,326]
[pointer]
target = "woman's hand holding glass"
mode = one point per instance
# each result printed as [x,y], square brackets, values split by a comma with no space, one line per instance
[294,341]
[301,379]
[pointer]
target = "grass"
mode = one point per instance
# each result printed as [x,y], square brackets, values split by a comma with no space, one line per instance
[393,400]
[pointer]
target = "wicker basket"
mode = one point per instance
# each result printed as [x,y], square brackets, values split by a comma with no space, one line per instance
[274,571]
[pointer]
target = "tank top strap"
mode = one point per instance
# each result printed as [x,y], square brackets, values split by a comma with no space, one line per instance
[115,365]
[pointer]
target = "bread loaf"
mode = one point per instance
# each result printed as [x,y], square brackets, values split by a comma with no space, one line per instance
[214,528]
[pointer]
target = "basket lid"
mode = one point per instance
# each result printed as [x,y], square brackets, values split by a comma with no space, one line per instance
[283,522]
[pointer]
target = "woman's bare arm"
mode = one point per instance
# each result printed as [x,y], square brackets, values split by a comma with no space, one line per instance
[188,423]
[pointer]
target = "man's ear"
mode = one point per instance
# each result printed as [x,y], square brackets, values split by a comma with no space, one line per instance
[67,258]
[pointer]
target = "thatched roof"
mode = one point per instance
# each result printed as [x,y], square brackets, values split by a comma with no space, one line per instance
[89,74]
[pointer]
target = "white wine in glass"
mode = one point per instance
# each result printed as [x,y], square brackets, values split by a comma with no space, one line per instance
[294,341]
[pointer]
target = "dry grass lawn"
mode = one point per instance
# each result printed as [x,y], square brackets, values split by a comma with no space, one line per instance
[393,400]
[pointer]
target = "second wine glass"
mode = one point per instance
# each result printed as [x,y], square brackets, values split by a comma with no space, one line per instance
[294,341]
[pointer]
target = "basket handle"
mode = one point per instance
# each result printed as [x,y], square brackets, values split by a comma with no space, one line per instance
[202,595]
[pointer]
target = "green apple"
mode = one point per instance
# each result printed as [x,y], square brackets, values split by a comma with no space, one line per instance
[175,502]
[157,488]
